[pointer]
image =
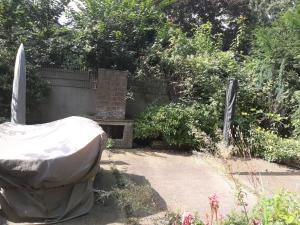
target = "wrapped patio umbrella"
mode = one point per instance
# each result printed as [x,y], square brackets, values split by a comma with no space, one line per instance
[18,102]
[231,95]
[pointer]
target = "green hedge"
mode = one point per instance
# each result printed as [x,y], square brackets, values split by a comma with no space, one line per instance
[178,125]
[269,146]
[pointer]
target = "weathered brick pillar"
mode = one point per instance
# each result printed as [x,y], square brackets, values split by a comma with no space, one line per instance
[111,94]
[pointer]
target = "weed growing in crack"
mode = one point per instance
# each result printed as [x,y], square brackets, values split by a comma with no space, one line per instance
[133,198]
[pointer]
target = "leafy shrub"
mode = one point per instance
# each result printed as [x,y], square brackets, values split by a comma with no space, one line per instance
[268,145]
[169,123]
[195,67]
[109,143]
[171,218]
[176,124]
[270,74]
[258,118]
[130,196]
[135,198]
[296,122]
[282,209]
[236,219]
[295,117]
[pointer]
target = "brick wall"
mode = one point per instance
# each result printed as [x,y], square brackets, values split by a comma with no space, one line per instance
[111,94]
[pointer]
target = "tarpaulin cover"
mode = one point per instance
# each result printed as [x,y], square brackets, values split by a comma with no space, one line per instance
[231,94]
[47,170]
[18,101]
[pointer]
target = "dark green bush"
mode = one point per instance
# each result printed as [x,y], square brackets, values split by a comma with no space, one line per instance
[178,125]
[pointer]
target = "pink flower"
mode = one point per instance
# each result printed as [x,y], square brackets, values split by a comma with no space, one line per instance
[214,201]
[187,218]
[256,222]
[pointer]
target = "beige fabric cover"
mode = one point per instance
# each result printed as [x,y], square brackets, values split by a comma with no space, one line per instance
[47,170]
[18,101]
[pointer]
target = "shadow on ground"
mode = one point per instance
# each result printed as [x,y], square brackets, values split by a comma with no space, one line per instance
[105,180]
[108,213]
[269,173]
[152,152]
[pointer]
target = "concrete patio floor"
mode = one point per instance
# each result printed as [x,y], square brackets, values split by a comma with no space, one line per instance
[183,182]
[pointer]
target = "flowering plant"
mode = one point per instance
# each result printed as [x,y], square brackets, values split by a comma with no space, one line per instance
[214,207]
[187,218]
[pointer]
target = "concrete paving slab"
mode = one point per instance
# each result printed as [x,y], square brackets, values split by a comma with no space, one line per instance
[183,181]
[257,175]
[270,177]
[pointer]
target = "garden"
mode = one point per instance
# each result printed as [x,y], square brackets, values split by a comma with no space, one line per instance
[194,47]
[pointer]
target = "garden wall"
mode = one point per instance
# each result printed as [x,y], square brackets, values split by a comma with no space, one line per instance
[72,93]
[145,93]
[101,94]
